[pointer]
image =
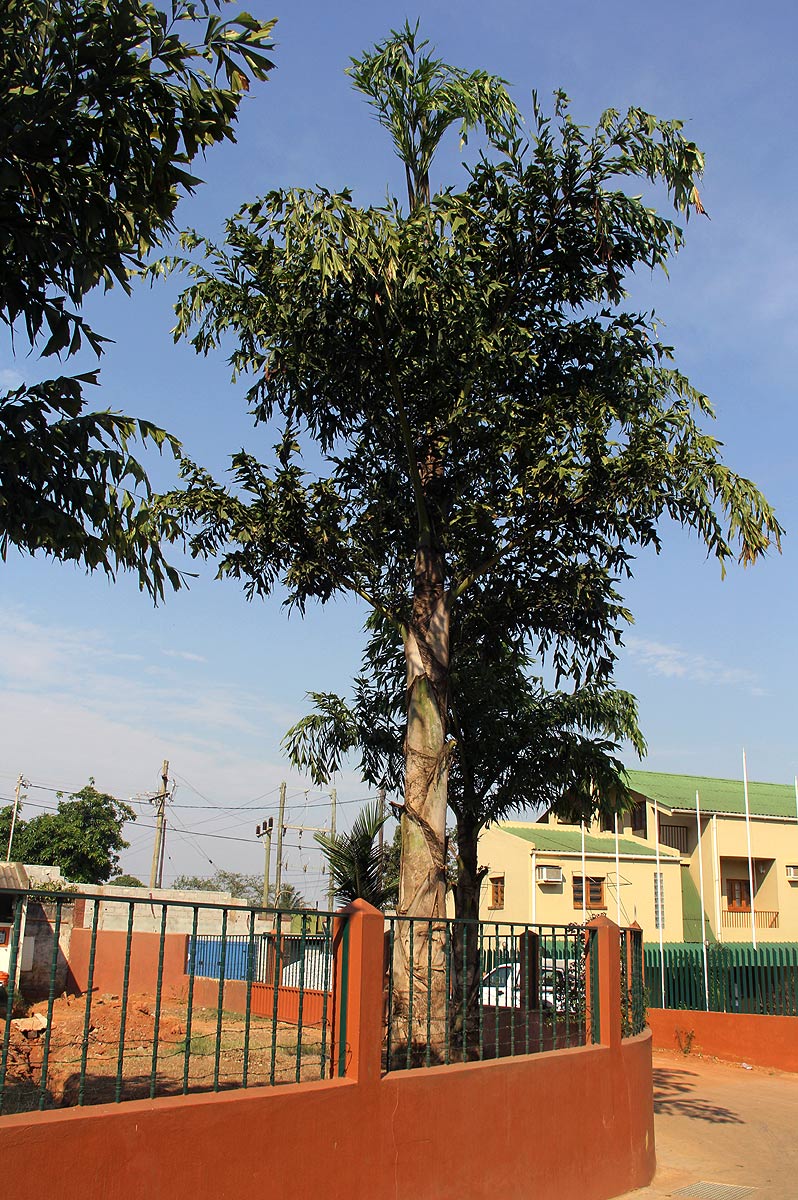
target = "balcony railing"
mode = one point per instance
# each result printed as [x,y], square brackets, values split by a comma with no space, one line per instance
[674,836]
[740,918]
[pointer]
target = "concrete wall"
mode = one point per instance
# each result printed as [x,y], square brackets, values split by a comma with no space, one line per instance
[109,961]
[39,950]
[576,1124]
[738,1037]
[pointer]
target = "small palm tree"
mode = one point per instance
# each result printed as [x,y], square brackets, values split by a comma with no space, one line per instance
[355,862]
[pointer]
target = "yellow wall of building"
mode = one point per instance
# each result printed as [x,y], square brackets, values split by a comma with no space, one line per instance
[514,858]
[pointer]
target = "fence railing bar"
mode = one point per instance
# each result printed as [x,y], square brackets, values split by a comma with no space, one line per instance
[251,968]
[158,993]
[120,1061]
[84,1050]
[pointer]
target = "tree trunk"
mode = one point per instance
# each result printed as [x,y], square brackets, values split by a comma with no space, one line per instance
[419,957]
[466,958]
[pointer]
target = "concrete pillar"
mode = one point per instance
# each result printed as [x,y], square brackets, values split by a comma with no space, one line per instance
[357,1025]
[606,943]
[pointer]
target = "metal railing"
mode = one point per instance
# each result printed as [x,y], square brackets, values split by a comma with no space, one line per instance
[137,997]
[674,836]
[633,999]
[740,978]
[740,918]
[459,991]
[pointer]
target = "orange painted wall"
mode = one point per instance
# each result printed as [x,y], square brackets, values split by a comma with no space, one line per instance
[576,1124]
[739,1037]
[568,1124]
[206,994]
[109,960]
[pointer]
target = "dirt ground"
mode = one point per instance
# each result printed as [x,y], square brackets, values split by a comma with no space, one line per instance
[273,1056]
[719,1123]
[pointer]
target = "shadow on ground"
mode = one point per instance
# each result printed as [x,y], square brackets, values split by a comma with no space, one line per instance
[674,1095]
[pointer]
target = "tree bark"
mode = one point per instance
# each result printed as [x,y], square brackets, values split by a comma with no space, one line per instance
[466,960]
[420,969]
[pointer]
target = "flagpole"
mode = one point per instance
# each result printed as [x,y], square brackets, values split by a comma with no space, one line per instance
[584,878]
[716,877]
[617,871]
[750,859]
[659,906]
[701,891]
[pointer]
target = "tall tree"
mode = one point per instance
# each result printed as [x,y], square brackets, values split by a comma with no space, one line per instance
[83,837]
[105,105]
[497,427]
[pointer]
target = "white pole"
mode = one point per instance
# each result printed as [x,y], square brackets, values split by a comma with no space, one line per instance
[659,906]
[534,887]
[617,872]
[584,879]
[750,859]
[716,877]
[701,892]
[796,797]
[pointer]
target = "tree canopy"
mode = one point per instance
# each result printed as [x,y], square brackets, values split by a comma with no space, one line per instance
[83,837]
[499,429]
[241,887]
[104,107]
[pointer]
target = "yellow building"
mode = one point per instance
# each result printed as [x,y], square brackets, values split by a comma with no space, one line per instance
[537,873]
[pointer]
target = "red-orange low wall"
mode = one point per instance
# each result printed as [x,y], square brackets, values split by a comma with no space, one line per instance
[575,1124]
[739,1037]
[514,1129]
[109,960]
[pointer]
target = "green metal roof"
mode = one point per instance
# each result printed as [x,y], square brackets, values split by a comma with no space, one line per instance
[716,795]
[569,841]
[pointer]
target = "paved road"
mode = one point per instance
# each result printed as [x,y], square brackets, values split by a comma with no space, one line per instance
[718,1123]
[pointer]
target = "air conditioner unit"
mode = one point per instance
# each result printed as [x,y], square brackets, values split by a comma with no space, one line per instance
[549,874]
[792,873]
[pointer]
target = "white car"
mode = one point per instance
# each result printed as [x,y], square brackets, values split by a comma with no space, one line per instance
[501,987]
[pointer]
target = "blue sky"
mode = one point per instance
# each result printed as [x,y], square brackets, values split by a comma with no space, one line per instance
[96,681]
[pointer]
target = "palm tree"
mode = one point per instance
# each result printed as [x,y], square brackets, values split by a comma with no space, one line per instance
[355,862]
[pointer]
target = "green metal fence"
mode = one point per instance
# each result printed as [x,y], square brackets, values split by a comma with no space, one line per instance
[633,1000]
[740,978]
[468,990]
[169,997]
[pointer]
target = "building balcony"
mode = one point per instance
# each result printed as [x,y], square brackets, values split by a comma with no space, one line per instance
[740,918]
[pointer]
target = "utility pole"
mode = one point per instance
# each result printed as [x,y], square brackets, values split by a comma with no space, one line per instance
[265,831]
[156,870]
[333,808]
[278,878]
[21,783]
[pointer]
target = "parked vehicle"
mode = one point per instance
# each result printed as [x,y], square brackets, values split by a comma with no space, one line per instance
[501,987]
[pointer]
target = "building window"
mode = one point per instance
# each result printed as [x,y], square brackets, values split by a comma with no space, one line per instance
[497,891]
[639,823]
[659,901]
[595,892]
[738,895]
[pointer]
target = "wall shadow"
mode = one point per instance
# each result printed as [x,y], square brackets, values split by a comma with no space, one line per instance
[675,1095]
